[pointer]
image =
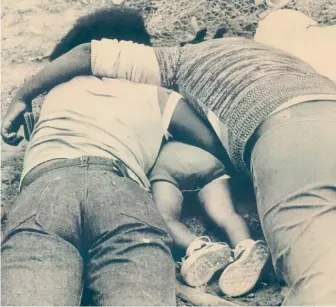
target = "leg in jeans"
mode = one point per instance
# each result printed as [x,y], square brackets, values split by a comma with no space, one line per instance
[41,265]
[129,259]
[294,172]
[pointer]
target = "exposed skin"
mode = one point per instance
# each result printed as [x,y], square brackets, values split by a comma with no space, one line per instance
[215,198]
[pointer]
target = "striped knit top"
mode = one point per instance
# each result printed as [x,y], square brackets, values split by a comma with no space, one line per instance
[241,81]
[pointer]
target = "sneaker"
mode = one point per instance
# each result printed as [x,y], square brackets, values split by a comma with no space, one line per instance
[242,275]
[200,264]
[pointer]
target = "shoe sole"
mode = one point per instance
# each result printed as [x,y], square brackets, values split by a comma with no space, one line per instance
[240,277]
[205,266]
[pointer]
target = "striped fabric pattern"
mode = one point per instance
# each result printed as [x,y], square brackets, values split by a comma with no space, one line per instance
[240,81]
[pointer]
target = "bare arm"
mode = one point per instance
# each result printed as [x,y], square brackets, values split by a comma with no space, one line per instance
[187,126]
[74,63]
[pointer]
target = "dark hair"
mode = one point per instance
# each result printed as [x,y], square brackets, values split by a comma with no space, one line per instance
[114,22]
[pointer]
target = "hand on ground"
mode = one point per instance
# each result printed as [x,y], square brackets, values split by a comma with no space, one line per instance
[13,120]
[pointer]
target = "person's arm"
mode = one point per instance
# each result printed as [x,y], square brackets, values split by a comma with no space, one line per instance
[189,127]
[185,125]
[105,58]
[74,63]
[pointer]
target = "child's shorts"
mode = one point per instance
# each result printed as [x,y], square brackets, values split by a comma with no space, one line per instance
[187,167]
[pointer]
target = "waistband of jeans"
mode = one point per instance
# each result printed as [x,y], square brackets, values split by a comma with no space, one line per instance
[111,164]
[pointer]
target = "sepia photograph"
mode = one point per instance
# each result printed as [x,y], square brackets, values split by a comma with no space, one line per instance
[168,153]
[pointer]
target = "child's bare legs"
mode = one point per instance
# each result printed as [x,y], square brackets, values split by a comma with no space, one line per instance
[249,256]
[203,258]
[169,200]
[216,198]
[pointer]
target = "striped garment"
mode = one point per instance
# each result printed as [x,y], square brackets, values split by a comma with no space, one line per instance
[241,81]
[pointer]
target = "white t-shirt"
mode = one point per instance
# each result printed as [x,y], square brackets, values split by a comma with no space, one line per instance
[88,116]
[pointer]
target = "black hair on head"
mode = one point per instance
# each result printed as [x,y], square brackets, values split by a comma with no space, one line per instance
[114,23]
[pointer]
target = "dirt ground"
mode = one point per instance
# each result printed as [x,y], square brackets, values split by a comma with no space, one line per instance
[30,29]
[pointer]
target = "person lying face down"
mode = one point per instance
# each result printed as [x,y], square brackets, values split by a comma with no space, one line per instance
[85,201]
[274,115]
[182,168]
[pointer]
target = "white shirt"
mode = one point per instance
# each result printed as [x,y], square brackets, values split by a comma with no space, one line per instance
[102,117]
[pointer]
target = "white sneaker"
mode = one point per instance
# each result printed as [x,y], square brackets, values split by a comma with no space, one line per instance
[200,264]
[242,275]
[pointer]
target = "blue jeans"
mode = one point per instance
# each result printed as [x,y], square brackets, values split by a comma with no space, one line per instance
[83,225]
[293,165]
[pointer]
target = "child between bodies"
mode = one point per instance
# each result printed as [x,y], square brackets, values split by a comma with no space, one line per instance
[180,168]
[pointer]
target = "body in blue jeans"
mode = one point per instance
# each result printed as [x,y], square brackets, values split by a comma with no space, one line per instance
[293,164]
[77,223]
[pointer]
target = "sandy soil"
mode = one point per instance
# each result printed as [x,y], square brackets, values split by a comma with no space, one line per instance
[30,28]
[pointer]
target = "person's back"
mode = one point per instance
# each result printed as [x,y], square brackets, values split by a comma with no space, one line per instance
[99,117]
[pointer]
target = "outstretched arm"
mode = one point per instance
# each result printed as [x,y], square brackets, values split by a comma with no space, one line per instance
[74,63]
